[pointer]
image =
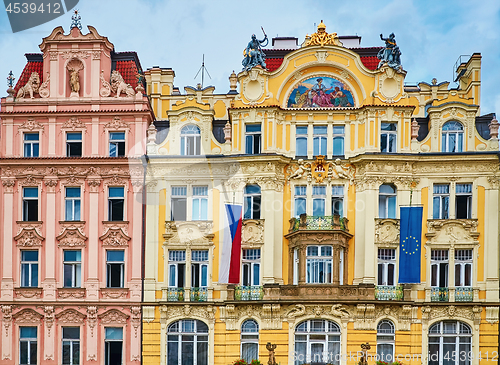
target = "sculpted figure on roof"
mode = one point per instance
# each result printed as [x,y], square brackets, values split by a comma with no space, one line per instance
[322,38]
[253,54]
[390,54]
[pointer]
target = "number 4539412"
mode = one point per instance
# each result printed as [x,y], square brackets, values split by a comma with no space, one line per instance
[32,8]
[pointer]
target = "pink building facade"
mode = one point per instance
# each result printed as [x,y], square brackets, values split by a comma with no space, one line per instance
[71,204]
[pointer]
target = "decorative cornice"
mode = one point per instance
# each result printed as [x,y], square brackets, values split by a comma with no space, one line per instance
[70,316]
[29,234]
[115,234]
[113,316]
[71,234]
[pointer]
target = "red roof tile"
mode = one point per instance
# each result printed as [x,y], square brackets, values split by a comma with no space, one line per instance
[273,63]
[30,67]
[129,72]
[371,62]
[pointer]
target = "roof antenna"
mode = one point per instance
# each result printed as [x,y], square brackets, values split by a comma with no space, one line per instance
[202,69]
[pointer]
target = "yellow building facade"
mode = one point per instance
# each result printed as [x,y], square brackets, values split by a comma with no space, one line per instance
[321,150]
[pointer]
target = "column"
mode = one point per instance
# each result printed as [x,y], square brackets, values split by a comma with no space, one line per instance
[136,242]
[302,264]
[49,252]
[268,254]
[7,247]
[490,241]
[92,283]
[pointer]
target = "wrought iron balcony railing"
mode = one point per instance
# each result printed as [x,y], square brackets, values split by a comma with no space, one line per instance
[248,293]
[386,292]
[318,222]
[464,294]
[440,294]
[175,294]
[199,294]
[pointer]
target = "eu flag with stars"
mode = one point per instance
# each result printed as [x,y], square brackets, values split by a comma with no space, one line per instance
[410,244]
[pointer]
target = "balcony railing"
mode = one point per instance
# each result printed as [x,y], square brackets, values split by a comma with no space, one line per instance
[199,294]
[440,294]
[318,222]
[175,294]
[385,292]
[464,294]
[248,293]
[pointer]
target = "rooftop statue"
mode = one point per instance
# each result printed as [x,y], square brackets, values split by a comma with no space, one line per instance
[390,54]
[253,54]
[322,38]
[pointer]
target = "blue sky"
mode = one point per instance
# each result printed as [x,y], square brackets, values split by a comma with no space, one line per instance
[431,34]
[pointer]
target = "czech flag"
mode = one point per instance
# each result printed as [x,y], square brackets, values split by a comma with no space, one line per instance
[229,269]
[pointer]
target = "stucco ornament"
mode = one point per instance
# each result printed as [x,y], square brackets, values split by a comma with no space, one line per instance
[322,38]
[106,86]
[31,87]
[253,54]
[70,316]
[252,231]
[44,88]
[72,234]
[118,85]
[113,316]
[387,231]
[301,170]
[339,311]
[29,234]
[390,55]
[115,234]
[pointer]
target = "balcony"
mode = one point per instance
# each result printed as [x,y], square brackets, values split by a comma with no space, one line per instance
[315,292]
[384,292]
[175,294]
[440,294]
[248,293]
[198,294]
[464,294]
[318,223]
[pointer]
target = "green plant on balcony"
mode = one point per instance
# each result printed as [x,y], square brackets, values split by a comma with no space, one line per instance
[255,362]
[388,363]
[240,362]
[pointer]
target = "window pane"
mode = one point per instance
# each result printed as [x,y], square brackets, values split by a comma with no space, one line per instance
[301,147]
[117,136]
[114,333]
[116,192]
[71,333]
[338,146]
[114,255]
[253,127]
[77,136]
[30,192]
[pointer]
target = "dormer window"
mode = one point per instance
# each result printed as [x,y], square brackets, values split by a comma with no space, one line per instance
[190,141]
[453,137]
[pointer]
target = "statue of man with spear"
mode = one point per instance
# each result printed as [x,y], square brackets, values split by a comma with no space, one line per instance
[253,54]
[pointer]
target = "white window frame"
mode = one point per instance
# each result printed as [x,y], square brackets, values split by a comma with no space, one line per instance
[318,195]
[108,340]
[190,139]
[250,262]
[338,136]
[338,195]
[30,341]
[175,259]
[462,330]
[200,258]
[468,196]
[384,201]
[110,199]
[250,137]
[331,335]
[300,194]
[385,258]
[386,337]
[315,262]
[72,201]
[68,141]
[116,142]
[320,140]
[390,148]
[72,342]
[76,271]
[31,266]
[196,341]
[459,137]
[200,195]
[440,257]
[301,136]
[177,194]
[442,198]
[249,337]
[25,209]
[109,268]
[254,214]
[464,258]
[31,144]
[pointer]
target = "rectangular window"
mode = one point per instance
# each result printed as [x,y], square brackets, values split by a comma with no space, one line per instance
[31,144]
[30,204]
[464,201]
[199,268]
[338,140]
[300,200]
[338,200]
[441,201]
[463,268]
[73,204]
[386,266]
[29,268]
[319,199]
[319,140]
[252,139]
[117,144]
[319,264]
[176,268]
[115,267]
[71,345]
[439,268]
[116,203]
[200,203]
[72,268]
[251,202]
[251,267]
[74,144]
[113,344]
[388,137]
[27,345]
[301,141]
[178,203]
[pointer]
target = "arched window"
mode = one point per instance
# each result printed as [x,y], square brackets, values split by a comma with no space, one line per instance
[250,340]
[187,342]
[317,341]
[385,341]
[387,201]
[252,202]
[450,343]
[453,137]
[190,141]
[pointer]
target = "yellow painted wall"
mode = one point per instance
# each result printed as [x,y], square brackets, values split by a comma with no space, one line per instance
[161,230]
[287,214]
[480,228]
[361,135]
[351,216]
[216,222]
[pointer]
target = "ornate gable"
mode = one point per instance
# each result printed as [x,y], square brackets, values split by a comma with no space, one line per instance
[452,231]
[71,234]
[188,233]
[113,316]
[115,234]
[70,316]
[29,234]
[27,316]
